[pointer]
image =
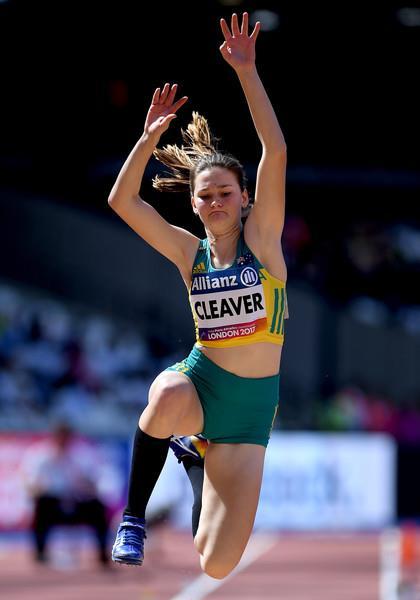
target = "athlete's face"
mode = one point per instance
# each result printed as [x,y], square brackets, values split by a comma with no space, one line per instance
[218,199]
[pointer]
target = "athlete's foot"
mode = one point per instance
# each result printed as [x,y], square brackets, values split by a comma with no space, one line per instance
[193,446]
[128,547]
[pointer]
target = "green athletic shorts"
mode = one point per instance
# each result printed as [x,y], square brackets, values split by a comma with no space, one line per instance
[237,410]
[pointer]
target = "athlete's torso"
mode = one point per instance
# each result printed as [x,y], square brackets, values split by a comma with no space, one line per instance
[239,310]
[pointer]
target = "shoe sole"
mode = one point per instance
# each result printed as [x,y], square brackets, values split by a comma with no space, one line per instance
[130,563]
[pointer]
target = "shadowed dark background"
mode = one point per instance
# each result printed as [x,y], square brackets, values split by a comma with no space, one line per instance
[78,77]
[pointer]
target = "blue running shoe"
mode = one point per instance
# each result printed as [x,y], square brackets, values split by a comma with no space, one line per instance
[128,547]
[193,446]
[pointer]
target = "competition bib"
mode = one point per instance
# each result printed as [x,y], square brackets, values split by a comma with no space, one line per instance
[228,304]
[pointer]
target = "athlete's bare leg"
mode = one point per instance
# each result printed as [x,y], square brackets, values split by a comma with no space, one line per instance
[232,483]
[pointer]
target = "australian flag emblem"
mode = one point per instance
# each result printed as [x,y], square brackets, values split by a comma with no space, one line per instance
[246,259]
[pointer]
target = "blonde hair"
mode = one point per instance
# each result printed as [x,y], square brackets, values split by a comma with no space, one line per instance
[198,154]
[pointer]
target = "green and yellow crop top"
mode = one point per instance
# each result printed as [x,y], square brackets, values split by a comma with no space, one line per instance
[240,305]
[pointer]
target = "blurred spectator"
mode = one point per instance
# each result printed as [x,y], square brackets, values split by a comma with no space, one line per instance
[61,363]
[61,478]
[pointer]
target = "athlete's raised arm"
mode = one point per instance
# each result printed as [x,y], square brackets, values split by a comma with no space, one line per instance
[173,242]
[238,49]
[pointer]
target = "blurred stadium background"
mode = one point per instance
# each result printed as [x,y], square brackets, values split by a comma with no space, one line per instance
[89,314]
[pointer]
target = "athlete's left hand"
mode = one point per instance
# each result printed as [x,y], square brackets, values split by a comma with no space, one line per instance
[238,49]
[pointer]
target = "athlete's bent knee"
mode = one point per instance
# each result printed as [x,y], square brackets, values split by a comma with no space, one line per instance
[215,567]
[166,400]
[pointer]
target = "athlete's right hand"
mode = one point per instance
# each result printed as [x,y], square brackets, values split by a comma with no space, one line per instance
[162,110]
